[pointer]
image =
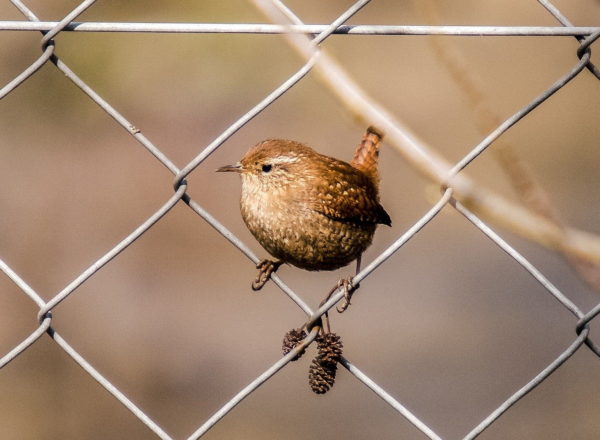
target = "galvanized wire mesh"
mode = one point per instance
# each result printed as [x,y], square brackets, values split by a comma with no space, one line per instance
[309,40]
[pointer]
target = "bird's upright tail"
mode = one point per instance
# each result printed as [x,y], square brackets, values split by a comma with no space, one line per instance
[367,154]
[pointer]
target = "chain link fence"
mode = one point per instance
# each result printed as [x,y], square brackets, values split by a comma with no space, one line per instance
[458,192]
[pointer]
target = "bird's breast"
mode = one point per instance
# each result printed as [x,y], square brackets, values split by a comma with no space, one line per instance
[286,225]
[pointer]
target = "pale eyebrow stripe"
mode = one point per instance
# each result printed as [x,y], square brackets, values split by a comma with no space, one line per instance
[284,159]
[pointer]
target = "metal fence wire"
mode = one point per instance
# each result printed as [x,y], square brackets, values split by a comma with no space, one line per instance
[307,40]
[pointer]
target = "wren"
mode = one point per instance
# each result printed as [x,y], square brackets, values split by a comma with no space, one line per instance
[307,209]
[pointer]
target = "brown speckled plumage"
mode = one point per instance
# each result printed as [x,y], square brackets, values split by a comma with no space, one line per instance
[308,209]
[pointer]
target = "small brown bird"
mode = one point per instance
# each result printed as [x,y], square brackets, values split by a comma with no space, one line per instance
[307,209]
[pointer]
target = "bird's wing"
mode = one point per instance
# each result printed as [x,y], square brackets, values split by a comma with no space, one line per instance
[350,196]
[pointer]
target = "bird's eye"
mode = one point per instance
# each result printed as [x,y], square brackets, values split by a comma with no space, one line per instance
[267,167]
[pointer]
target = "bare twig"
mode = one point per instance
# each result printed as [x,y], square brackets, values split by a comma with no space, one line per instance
[519,174]
[484,202]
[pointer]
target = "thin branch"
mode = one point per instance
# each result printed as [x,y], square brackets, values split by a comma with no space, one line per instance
[431,164]
[519,175]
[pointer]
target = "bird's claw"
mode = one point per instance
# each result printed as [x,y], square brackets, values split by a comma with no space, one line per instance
[265,269]
[349,289]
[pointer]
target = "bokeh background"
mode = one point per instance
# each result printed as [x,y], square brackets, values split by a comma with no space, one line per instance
[450,326]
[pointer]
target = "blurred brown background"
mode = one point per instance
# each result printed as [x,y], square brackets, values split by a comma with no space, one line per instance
[450,326]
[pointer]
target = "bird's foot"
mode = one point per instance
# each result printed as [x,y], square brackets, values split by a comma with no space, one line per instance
[265,269]
[349,289]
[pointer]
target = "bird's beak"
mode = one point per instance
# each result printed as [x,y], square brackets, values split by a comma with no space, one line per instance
[237,168]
